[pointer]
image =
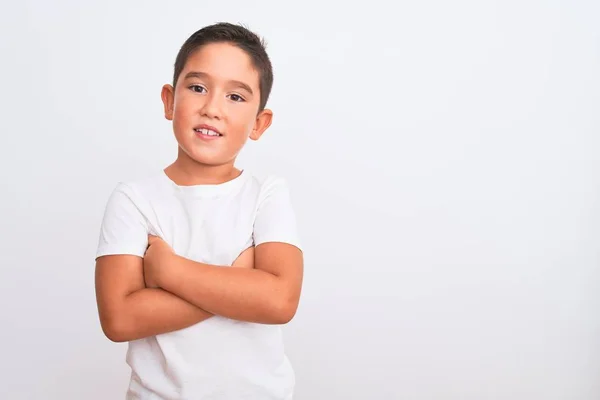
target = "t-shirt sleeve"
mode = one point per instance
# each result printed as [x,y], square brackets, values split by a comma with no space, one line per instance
[124,229]
[275,218]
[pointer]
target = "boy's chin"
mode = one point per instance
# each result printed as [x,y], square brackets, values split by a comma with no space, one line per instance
[202,158]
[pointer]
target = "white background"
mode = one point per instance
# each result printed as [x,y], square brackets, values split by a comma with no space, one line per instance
[444,163]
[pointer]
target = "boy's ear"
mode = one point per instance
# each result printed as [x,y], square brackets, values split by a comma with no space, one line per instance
[168,97]
[263,121]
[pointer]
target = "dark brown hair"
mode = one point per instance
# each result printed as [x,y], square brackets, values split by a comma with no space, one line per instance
[239,36]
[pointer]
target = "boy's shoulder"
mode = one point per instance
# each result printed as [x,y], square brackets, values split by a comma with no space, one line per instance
[141,184]
[266,179]
[270,184]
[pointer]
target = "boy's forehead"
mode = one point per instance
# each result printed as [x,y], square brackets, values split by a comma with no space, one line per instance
[223,61]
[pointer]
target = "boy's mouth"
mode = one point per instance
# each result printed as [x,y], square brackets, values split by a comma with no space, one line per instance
[207,132]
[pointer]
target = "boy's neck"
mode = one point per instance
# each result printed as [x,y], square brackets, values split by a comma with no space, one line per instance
[187,172]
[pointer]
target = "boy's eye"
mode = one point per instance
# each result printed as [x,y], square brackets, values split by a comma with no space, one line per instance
[236,97]
[197,88]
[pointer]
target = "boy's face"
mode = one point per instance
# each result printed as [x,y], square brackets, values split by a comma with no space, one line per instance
[217,92]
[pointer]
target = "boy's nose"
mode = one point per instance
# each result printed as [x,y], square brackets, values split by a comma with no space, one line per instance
[211,108]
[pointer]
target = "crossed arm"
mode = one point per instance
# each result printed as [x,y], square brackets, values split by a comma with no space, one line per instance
[163,292]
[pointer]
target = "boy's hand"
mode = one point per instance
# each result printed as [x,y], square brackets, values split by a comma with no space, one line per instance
[158,255]
[246,259]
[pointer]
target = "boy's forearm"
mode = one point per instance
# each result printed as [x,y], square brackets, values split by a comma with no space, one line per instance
[149,311]
[238,293]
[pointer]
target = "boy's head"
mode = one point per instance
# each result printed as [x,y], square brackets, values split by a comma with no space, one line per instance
[221,83]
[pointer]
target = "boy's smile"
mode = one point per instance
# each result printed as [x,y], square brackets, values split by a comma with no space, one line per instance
[214,105]
[207,132]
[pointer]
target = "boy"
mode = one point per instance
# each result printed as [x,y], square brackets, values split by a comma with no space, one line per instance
[199,264]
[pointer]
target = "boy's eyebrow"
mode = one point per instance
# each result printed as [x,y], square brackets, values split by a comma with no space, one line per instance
[200,75]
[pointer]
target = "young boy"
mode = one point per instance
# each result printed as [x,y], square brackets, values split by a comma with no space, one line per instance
[199,264]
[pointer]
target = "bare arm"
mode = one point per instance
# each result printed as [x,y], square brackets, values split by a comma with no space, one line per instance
[129,310]
[269,293]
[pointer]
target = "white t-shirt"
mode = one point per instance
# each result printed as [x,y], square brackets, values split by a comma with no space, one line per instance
[218,358]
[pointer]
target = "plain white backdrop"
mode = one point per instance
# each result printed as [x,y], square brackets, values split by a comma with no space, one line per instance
[444,164]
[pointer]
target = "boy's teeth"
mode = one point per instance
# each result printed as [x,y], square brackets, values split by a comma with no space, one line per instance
[207,132]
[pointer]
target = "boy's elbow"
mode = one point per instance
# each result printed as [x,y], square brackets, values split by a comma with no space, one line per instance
[287,315]
[116,336]
[285,310]
[115,330]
